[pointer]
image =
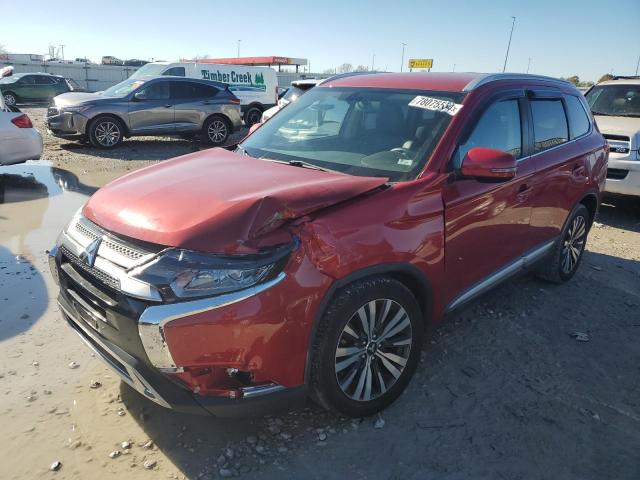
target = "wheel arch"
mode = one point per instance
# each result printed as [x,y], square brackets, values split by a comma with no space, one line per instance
[407,274]
[591,201]
[222,116]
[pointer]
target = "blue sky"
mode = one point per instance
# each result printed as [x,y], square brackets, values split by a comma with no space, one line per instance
[562,37]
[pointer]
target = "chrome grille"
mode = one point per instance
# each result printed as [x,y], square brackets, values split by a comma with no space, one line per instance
[101,276]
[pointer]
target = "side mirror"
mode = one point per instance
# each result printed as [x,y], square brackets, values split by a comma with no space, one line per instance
[138,96]
[254,127]
[489,163]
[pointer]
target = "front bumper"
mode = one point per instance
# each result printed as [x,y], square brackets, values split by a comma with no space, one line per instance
[161,390]
[66,124]
[623,177]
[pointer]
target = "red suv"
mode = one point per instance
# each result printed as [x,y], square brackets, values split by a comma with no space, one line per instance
[310,260]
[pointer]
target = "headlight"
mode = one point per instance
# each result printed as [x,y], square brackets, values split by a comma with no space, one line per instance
[187,274]
[76,109]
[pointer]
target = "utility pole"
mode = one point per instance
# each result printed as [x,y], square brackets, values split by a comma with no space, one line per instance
[239,48]
[373,61]
[506,57]
[402,61]
[62,48]
[637,65]
[528,64]
[454,67]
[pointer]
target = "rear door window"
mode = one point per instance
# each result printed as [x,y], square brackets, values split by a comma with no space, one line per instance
[549,124]
[192,90]
[578,119]
[28,80]
[498,128]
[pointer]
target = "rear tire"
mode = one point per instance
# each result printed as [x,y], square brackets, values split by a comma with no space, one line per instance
[359,367]
[106,132]
[215,130]
[563,261]
[252,116]
[11,99]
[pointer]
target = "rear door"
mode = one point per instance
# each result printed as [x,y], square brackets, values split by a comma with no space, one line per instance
[151,109]
[25,87]
[193,102]
[487,223]
[45,87]
[559,160]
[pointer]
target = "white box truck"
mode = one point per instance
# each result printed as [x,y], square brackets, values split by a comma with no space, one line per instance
[256,87]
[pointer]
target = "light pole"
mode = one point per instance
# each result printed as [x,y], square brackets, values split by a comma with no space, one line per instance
[637,65]
[454,67]
[528,64]
[239,48]
[373,61]
[506,57]
[402,60]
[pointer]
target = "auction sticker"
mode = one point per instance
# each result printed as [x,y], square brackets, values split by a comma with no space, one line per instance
[429,103]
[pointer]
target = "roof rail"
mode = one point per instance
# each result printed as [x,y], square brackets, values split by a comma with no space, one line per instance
[344,75]
[494,77]
[625,77]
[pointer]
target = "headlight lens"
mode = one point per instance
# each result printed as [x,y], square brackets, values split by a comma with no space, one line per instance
[186,274]
[76,109]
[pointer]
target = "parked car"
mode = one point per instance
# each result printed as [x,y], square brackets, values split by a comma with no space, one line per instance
[109,60]
[33,87]
[616,107]
[147,106]
[297,89]
[256,87]
[19,141]
[230,282]
[135,63]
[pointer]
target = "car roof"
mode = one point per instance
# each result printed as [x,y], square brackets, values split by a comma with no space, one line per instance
[450,82]
[213,83]
[621,81]
[306,82]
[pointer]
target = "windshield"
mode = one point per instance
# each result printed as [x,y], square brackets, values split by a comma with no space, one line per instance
[292,94]
[365,132]
[150,69]
[617,100]
[122,89]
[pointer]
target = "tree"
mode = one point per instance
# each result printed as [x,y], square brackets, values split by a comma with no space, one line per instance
[605,77]
[573,79]
[345,68]
[329,71]
[361,68]
[3,49]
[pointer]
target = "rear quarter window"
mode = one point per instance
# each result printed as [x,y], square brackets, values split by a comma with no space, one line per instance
[579,122]
[549,124]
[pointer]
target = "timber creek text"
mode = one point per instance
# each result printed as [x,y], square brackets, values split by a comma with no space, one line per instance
[232,77]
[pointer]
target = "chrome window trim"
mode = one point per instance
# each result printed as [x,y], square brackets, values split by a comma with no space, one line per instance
[154,319]
[524,261]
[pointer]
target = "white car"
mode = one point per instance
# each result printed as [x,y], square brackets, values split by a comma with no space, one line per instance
[616,107]
[298,88]
[19,141]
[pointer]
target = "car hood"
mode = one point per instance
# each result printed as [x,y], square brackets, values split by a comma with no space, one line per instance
[77,98]
[217,200]
[628,126]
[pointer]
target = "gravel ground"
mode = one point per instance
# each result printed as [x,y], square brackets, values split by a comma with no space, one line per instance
[505,388]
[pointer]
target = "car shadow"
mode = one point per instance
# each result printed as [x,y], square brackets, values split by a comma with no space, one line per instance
[620,212]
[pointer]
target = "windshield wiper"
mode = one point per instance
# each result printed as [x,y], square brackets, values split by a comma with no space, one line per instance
[297,163]
[602,114]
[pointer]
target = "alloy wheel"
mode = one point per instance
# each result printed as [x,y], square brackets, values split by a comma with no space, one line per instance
[107,133]
[373,350]
[253,117]
[573,244]
[9,99]
[217,131]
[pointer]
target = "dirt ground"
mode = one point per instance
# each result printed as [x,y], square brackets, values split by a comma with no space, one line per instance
[504,390]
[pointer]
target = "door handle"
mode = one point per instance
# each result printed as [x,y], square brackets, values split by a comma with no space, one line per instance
[578,169]
[523,188]
[168,106]
[523,192]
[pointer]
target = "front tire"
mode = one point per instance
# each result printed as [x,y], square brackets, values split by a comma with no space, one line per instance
[11,99]
[106,132]
[366,348]
[215,131]
[563,262]
[252,116]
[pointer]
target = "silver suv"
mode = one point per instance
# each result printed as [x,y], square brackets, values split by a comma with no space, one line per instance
[147,106]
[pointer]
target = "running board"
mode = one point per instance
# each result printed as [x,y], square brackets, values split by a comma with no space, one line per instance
[522,263]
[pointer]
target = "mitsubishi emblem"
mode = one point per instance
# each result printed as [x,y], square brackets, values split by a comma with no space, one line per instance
[90,253]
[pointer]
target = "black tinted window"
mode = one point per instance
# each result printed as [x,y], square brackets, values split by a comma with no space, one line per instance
[28,80]
[44,80]
[157,91]
[578,119]
[175,71]
[498,128]
[549,124]
[192,90]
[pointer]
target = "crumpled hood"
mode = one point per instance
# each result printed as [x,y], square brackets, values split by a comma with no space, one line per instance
[216,200]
